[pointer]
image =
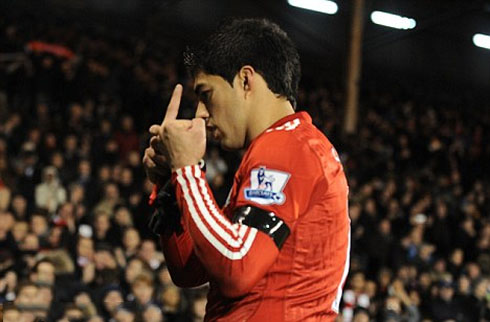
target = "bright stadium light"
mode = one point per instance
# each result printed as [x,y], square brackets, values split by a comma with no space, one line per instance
[392,20]
[481,40]
[324,6]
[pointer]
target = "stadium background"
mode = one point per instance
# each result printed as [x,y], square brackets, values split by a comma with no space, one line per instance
[73,125]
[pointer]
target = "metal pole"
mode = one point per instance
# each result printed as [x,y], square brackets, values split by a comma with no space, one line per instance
[354,68]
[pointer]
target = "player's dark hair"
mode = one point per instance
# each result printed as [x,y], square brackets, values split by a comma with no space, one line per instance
[259,43]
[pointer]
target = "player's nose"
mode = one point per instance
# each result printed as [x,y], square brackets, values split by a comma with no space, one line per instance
[201,111]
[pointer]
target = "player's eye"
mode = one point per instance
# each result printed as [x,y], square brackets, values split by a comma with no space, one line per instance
[205,96]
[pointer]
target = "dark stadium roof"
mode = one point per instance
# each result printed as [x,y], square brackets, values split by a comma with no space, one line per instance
[439,48]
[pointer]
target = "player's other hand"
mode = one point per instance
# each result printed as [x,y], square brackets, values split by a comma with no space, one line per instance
[155,159]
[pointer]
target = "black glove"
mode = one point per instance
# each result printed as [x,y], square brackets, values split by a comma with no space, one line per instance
[166,216]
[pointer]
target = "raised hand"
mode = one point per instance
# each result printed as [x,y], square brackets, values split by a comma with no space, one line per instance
[174,143]
[156,160]
[185,140]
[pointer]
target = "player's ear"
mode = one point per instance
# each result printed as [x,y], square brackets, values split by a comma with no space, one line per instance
[246,79]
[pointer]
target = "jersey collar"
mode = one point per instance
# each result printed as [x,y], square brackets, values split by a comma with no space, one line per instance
[304,117]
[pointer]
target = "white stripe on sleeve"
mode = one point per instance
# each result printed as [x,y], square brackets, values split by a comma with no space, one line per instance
[194,192]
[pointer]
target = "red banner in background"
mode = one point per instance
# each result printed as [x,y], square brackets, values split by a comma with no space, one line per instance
[54,49]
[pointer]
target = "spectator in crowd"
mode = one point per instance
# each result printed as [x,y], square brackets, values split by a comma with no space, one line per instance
[111,300]
[142,294]
[50,193]
[11,313]
[131,242]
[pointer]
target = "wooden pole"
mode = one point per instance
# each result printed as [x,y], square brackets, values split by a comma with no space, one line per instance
[354,68]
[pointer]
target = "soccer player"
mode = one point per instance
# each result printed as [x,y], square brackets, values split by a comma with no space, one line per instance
[279,248]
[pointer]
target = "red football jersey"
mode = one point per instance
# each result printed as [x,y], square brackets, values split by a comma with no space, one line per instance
[292,170]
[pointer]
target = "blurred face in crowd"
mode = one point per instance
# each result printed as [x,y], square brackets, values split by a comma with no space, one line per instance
[124,316]
[45,273]
[147,250]
[95,319]
[39,225]
[370,207]
[34,135]
[131,239]
[384,278]
[426,252]
[473,270]
[480,290]
[31,242]
[127,123]
[171,297]
[116,172]
[19,205]
[27,296]
[111,147]
[6,223]
[134,268]
[73,314]
[111,192]
[152,314]
[50,141]
[370,289]
[164,277]
[112,300]
[45,295]
[358,281]
[457,257]
[76,112]
[425,280]
[102,223]
[134,159]
[464,285]
[71,143]
[11,315]
[54,237]
[84,168]
[446,293]
[126,177]
[105,126]
[224,108]
[85,248]
[123,217]
[403,273]
[20,230]
[361,316]
[104,259]
[57,160]
[77,194]
[385,227]
[142,290]
[104,173]
[66,211]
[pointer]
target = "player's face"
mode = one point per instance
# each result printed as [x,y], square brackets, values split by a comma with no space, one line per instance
[223,107]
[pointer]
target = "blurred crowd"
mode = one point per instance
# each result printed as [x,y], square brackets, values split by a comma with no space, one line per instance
[75,106]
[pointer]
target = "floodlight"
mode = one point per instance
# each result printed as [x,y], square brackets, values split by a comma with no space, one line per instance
[324,6]
[392,20]
[481,40]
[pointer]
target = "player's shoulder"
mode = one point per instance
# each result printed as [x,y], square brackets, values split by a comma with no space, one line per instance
[294,135]
[292,143]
